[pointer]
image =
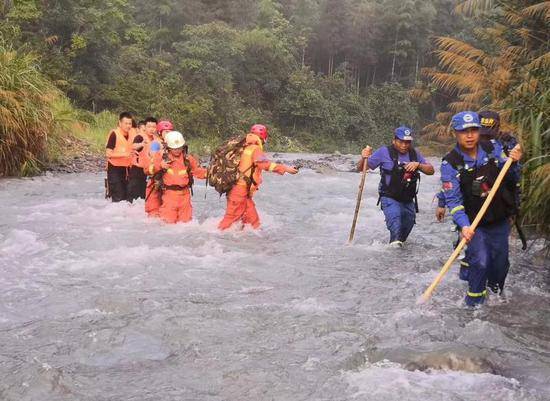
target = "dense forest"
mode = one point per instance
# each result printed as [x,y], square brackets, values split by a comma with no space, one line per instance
[324,75]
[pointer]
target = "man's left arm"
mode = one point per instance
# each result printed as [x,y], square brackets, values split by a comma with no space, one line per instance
[197,170]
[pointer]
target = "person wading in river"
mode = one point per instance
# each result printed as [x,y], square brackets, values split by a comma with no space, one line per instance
[490,130]
[119,157]
[153,196]
[240,206]
[136,176]
[400,165]
[467,175]
[178,170]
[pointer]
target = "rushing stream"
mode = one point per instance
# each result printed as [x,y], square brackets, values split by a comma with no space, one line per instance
[98,302]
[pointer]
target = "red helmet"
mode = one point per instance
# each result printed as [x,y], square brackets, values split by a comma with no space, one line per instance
[164,126]
[260,130]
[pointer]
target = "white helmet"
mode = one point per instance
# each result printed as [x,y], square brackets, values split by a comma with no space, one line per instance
[174,139]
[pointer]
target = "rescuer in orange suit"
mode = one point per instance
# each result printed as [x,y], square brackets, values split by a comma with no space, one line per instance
[178,171]
[240,206]
[156,145]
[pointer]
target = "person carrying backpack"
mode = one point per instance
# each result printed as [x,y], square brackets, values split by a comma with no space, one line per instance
[400,165]
[178,171]
[248,178]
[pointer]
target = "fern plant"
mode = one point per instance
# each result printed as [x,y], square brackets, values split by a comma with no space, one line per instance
[507,71]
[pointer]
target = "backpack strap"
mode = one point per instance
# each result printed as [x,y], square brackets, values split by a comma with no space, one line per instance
[413,155]
[393,155]
[455,159]
[189,173]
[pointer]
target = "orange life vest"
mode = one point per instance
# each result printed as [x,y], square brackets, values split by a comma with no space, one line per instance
[122,146]
[139,156]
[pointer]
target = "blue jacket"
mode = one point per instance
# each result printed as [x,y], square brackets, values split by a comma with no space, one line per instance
[451,184]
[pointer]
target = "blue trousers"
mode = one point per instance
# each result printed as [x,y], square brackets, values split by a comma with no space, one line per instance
[400,218]
[487,255]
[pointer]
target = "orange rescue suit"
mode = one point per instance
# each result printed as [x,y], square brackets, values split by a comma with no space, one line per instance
[176,196]
[240,206]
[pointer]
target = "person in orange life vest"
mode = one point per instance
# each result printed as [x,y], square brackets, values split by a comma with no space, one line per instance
[119,157]
[240,206]
[149,136]
[152,194]
[178,170]
[136,176]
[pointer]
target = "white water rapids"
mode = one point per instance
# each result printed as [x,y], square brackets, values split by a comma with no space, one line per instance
[99,303]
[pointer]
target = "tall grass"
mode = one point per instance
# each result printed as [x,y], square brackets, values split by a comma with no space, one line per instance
[26,114]
[96,129]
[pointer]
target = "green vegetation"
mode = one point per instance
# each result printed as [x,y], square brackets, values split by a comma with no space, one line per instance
[324,75]
[26,113]
[507,69]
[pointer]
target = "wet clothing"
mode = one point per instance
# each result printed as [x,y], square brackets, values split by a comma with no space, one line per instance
[117,179]
[400,218]
[177,182]
[240,206]
[397,189]
[487,254]
[153,199]
[137,180]
[118,164]
[465,186]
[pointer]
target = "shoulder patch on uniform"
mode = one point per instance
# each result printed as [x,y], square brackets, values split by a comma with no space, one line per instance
[447,186]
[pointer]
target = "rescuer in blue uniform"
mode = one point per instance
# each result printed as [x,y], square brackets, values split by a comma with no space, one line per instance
[400,166]
[490,130]
[467,175]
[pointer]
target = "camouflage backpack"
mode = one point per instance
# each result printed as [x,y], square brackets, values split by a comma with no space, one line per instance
[223,172]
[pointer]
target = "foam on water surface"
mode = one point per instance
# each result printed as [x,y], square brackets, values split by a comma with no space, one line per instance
[99,302]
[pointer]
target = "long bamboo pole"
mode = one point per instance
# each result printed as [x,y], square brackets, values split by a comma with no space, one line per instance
[359,198]
[428,293]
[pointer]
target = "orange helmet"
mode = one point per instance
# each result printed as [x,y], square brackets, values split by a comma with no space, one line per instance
[165,126]
[260,130]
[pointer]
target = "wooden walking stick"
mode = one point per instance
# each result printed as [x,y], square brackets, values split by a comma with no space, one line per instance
[359,198]
[428,293]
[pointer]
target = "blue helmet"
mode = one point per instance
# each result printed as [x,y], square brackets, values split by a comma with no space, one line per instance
[465,120]
[404,133]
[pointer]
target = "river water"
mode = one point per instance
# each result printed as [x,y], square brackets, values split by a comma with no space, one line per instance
[98,302]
